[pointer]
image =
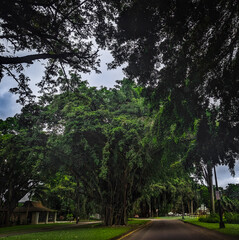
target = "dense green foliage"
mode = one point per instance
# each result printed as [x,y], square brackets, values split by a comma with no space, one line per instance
[183,48]
[20,165]
[232,217]
[185,53]
[132,149]
[95,153]
[100,144]
[212,218]
[103,151]
[229,204]
[232,191]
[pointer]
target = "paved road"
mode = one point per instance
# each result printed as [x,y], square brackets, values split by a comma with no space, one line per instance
[175,230]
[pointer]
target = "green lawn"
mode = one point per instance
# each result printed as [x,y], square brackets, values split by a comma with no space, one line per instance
[90,232]
[230,229]
[22,228]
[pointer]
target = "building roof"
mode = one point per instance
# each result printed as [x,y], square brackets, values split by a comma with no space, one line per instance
[33,207]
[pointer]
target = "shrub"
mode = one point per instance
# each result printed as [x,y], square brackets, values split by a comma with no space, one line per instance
[231,217]
[212,218]
[69,217]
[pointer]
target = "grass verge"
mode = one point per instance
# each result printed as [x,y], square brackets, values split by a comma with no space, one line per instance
[89,232]
[230,229]
[23,228]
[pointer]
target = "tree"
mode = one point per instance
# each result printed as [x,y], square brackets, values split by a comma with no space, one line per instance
[20,165]
[97,137]
[124,159]
[60,194]
[232,191]
[183,50]
[169,140]
[193,42]
[183,88]
[60,32]
[216,144]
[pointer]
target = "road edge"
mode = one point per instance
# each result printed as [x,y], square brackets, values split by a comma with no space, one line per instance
[124,235]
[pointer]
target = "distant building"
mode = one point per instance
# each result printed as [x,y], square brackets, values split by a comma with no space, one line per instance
[34,213]
[203,210]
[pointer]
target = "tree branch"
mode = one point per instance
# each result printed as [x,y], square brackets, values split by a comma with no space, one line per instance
[8,36]
[30,58]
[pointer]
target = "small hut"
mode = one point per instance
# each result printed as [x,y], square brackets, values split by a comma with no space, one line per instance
[34,213]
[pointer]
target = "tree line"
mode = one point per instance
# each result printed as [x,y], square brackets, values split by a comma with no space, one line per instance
[104,151]
[178,111]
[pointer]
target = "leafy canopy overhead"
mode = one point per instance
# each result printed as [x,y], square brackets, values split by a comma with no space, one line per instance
[60,32]
[181,47]
[186,55]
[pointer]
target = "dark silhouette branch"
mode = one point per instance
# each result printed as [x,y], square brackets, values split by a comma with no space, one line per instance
[30,58]
[9,36]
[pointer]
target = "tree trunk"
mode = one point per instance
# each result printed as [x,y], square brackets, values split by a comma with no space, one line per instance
[9,212]
[192,207]
[77,201]
[28,205]
[153,207]
[124,222]
[188,203]
[116,208]
[10,204]
[182,209]
[211,190]
[108,216]
[7,218]
[164,204]
[144,209]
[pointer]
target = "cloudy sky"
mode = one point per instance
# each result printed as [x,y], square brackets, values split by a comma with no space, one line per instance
[9,107]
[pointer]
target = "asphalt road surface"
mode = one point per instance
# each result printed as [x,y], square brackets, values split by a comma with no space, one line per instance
[175,230]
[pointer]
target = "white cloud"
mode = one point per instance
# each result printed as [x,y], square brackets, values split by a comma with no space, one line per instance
[108,77]
[8,105]
[224,176]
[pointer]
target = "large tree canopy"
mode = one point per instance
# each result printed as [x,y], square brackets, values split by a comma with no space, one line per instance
[181,47]
[97,137]
[20,163]
[186,55]
[59,31]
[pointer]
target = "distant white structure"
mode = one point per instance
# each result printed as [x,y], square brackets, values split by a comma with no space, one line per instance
[203,210]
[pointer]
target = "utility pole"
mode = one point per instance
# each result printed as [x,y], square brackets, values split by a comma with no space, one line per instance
[218,197]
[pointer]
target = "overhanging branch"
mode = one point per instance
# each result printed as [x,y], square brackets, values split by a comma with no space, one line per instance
[30,58]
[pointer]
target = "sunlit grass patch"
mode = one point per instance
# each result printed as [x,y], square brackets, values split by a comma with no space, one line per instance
[230,229]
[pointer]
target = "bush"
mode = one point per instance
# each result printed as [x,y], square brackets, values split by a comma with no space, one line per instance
[69,217]
[232,217]
[212,218]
